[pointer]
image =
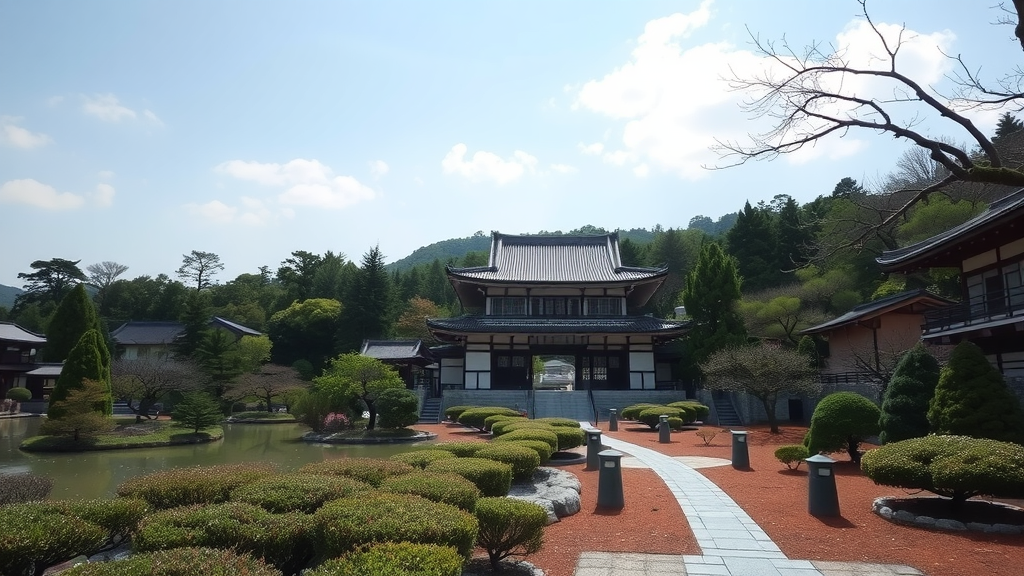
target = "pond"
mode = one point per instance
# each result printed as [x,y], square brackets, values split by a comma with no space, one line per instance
[97,474]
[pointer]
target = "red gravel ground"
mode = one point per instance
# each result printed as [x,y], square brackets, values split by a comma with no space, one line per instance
[774,497]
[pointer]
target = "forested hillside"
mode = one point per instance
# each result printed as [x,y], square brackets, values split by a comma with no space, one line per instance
[7,295]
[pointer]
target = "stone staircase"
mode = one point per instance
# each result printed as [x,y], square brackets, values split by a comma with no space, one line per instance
[430,411]
[574,404]
[725,411]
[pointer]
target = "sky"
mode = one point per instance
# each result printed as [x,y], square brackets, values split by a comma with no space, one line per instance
[139,131]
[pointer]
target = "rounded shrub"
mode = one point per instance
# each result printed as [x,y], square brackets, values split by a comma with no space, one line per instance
[372,471]
[502,428]
[543,449]
[297,492]
[120,517]
[842,420]
[34,536]
[490,421]
[905,404]
[509,527]
[633,412]
[460,449]
[178,562]
[569,438]
[15,488]
[19,394]
[543,434]
[675,423]
[492,478]
[444,488]
[397,408]
[195,485]
[452,412]
[420,458]
[474,417]
[792,455]
[652,415]
[566,422]
[524,461]
[957,467]
[694,410]
[394,559]
[345,525]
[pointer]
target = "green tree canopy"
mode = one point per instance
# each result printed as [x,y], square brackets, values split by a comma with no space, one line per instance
[369,305]
[357,376]
[199,268]
[74,316]
[305,331]
[50,282]
[84,362]
[905,403]
[710,296]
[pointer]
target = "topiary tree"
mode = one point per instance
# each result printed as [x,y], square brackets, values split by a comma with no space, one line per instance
[19,394]
[74,316]
[842,420]
[84,362]
[905,403]
[509,527]
[80,415]
[972,399]
[197,411]
[397,408]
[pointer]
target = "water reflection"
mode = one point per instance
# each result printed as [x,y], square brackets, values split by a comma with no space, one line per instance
[97,474]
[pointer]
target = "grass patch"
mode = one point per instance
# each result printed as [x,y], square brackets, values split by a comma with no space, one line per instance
[126,434]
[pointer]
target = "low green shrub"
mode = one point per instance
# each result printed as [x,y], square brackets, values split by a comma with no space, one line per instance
[474,417]
[957,467]
[509,527]
[543,449]
[178,562]
[373,471]
[543,434]
[502,428]
[19,394]
[15,488]
[490,421]
[841,421]
[675,423]
[444,488]
[395,559]
[420,458]
[120,517]
[452,412]
[345,525]
[492,478]
[566,422]
[524,461]
[195,485]
[297,492]
[792,455]
[633,412]
[569,438]
[695,410]
[652,415]
[460,449]
[284,540]
[397,408]
[34,536]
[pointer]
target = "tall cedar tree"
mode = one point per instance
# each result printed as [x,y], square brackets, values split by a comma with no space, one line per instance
[196,319]
[793,237]
[972,399]
[753,243]
[1008,124]
[370,303]
[84,362]
[710,296]
[75,315]
[905,403]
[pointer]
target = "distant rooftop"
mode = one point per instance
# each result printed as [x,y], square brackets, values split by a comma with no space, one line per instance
[10,332]
[915,301]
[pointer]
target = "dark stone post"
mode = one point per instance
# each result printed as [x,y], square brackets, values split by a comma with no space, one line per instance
[609,481]
[822,497]
[740,453]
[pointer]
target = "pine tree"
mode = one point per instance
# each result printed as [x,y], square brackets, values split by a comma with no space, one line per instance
[710,296]
[905,403]
[84,362]
[197,411]
[972,399]
[369,306]
[197,321]
[1008,124]
[78,416]
[793,238]
[74,316]
[753,243]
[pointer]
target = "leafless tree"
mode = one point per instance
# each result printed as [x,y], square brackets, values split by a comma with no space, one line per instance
[268,381]
[103,274]
[142,382]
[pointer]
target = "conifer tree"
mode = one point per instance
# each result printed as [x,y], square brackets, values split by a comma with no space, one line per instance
[369,306]
[753,243]
[84,362]
[1008,124]
[710,296]
[197,321]
[74,316]
[905,403]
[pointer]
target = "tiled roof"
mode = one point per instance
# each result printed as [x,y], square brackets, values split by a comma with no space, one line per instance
[574,325]
[556,259]
[10,332]
[235,327]
[1001,210]
[46,370]
[147,333]
[880,306]
[394,349]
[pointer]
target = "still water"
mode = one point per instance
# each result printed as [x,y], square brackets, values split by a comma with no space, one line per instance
[97,474]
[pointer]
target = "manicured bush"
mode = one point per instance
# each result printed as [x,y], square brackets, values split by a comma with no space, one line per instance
[543,449]
[178,562]
[395,559]
[120,517]
[474,417]
[34,537]
[460,449]
[569,438]
[195,485]
[972,399]
[19,394]
[905,403]
[566,422]
[509,527]
[957,467]
[652,415]
[524,461]
[397,408]
[792,455]
[490,421]
[15,488]
[633,412]
[420,458]
[284,540]
[452,412]
[444,488]
[492,478]
[544,435]
[297,492]
[842,420]
[373,471]
[344,525]
[502,428]
[675,423]
[695,410]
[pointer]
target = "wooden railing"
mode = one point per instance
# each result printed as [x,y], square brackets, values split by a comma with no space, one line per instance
[994,305]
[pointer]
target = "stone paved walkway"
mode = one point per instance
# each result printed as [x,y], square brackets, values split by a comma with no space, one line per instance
[732,544]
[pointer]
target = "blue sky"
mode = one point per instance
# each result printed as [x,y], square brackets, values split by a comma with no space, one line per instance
[139,131]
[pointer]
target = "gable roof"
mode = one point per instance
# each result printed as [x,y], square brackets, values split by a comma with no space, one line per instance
[939,249]
[11,332]
[569,325]
[397,351]
[235,327]
[915,301]
[147,333]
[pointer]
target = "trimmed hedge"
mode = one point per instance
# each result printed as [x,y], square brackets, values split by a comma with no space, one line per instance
[297,492]
[792,455]
[492,478]
[344,525]
[373,471]
[460,449]
[444,488]
[842,420]
[490,421]
[957,467]
[420,458]
[19,394]
[524,461]
[15,488]
[475,417]
[195,485]
[566,422]
[652,415]
[633,412]
[569,437]
[543,449]
[503,428]
[675,423]
[694,410]
[395,559]
[452,412]
[509,527]
[34,536]
[120,517]
[178,562]
[543,434]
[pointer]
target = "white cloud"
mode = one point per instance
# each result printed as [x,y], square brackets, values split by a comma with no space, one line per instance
[308,182]
[214,210]
[564,169]
[487,165]
[642,170]
[379,168]
[152,117]
[33,193]
[106,107]
[105,174]
[594,149]
[54,100]
[21,137]
[104,195]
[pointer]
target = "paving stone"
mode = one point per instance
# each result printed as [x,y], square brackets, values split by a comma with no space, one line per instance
[751,567]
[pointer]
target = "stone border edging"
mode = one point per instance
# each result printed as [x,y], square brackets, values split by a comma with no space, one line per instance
[328,439]
[881,507]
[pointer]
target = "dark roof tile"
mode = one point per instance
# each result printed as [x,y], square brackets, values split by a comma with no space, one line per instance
[574,325]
